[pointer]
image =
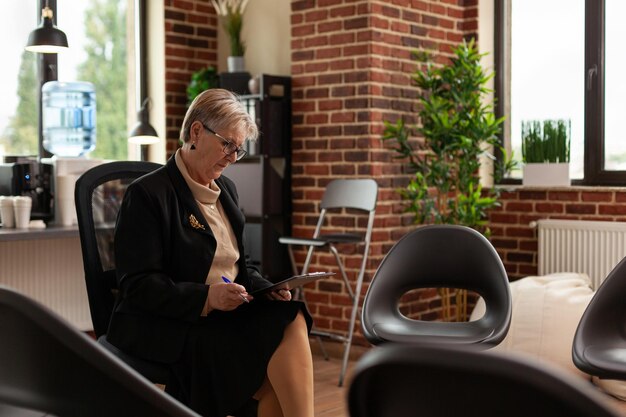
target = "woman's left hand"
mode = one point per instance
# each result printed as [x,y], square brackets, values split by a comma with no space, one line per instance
[281,295]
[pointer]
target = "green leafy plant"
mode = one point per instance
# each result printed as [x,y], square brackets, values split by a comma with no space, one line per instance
[201,80]
[458,126]
[231,12]
[547,142]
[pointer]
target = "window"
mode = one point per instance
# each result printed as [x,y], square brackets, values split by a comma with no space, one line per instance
[561,59]
[18,89]
[100,37]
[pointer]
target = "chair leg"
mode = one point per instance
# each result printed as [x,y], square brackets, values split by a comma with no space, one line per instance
[335,252]
[348,342]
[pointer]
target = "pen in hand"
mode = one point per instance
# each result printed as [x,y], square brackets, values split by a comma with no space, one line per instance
[226,280]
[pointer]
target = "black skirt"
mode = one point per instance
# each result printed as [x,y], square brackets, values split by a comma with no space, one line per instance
[225,358]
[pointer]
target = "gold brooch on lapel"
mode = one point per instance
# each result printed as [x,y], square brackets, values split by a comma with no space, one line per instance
[195,223]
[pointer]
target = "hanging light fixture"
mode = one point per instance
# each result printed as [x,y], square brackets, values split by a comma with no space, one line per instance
[143,133]
[47,38]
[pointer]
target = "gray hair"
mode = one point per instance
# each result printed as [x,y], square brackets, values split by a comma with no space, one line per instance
[219,110]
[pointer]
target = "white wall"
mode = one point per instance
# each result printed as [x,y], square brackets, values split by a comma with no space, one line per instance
[267,35]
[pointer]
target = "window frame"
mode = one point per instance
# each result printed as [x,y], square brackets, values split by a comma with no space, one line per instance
[594,84]
[46,71]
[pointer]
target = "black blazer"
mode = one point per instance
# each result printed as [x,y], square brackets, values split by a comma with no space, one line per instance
[163,252]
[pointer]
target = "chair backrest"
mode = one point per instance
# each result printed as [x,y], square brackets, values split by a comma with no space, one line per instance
[98,196]
[357,194]
[47,365]
[350,193]
[600,341]
[438,256]
[435,381]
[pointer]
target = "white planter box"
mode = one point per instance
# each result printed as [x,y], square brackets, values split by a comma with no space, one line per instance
[546,175]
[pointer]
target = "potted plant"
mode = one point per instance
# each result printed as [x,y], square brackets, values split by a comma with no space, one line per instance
[457,129]
[201,80]
[546,152]
[231,13]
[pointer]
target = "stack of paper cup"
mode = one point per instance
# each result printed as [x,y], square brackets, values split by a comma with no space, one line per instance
[65,199]
[6,211]
[21,209]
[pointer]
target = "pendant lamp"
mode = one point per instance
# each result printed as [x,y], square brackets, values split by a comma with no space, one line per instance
[47,38]
[143,133]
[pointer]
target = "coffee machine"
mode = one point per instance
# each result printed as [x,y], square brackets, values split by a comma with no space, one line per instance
[33,179]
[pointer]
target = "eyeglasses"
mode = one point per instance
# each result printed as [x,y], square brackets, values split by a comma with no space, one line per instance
[229,147]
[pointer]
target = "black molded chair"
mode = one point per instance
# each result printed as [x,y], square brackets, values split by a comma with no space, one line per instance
[98,196]
[355,194]
[599,346]
[438,256]
[49,367]
[436,381]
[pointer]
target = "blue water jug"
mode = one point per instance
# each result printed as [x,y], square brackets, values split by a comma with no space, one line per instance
[69,117]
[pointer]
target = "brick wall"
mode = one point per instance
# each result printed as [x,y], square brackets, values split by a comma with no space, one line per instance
[516,241]
[351,67]
[190,44]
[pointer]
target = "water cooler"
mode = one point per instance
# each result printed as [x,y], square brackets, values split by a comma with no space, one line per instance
[69,133]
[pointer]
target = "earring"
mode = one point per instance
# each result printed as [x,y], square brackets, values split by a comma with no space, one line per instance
[193,146]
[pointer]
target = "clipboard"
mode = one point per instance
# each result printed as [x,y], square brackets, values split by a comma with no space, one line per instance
[293,282]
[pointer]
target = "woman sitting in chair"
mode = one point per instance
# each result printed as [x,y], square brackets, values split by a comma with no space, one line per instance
[178,241]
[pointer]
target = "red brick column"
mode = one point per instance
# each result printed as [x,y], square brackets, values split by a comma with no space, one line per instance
[351,68]
[190,44]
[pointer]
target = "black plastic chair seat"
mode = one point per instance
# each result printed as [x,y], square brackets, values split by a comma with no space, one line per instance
[599,346]
[606,361]
[48,365]
[438,256]
[425,332]
[434,381]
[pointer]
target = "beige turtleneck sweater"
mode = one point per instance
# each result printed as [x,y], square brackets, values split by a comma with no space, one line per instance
[226,253]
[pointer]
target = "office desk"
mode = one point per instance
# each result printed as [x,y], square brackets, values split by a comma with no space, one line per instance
[46,265]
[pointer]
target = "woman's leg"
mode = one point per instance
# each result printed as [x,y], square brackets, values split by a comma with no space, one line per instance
[290,371]
[268,402]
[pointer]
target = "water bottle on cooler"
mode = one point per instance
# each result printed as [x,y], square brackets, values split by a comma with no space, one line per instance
[69,117]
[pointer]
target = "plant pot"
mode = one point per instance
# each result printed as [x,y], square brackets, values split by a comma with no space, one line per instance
[236,64]
[546,175]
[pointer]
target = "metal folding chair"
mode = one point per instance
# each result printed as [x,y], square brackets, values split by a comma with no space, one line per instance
[355,194]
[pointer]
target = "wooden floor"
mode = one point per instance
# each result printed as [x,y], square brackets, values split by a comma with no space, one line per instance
[330,399]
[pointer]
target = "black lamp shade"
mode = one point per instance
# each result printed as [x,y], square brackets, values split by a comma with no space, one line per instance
[143,133]
[47,38]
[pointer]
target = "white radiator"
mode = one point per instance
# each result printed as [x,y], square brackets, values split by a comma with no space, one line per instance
[591,247]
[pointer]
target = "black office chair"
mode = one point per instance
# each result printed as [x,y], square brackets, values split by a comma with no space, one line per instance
[439,381]
[49,368]
[438,256]
[98,196]
[599,346]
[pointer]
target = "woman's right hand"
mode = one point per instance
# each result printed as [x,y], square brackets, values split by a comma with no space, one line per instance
[226,297]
